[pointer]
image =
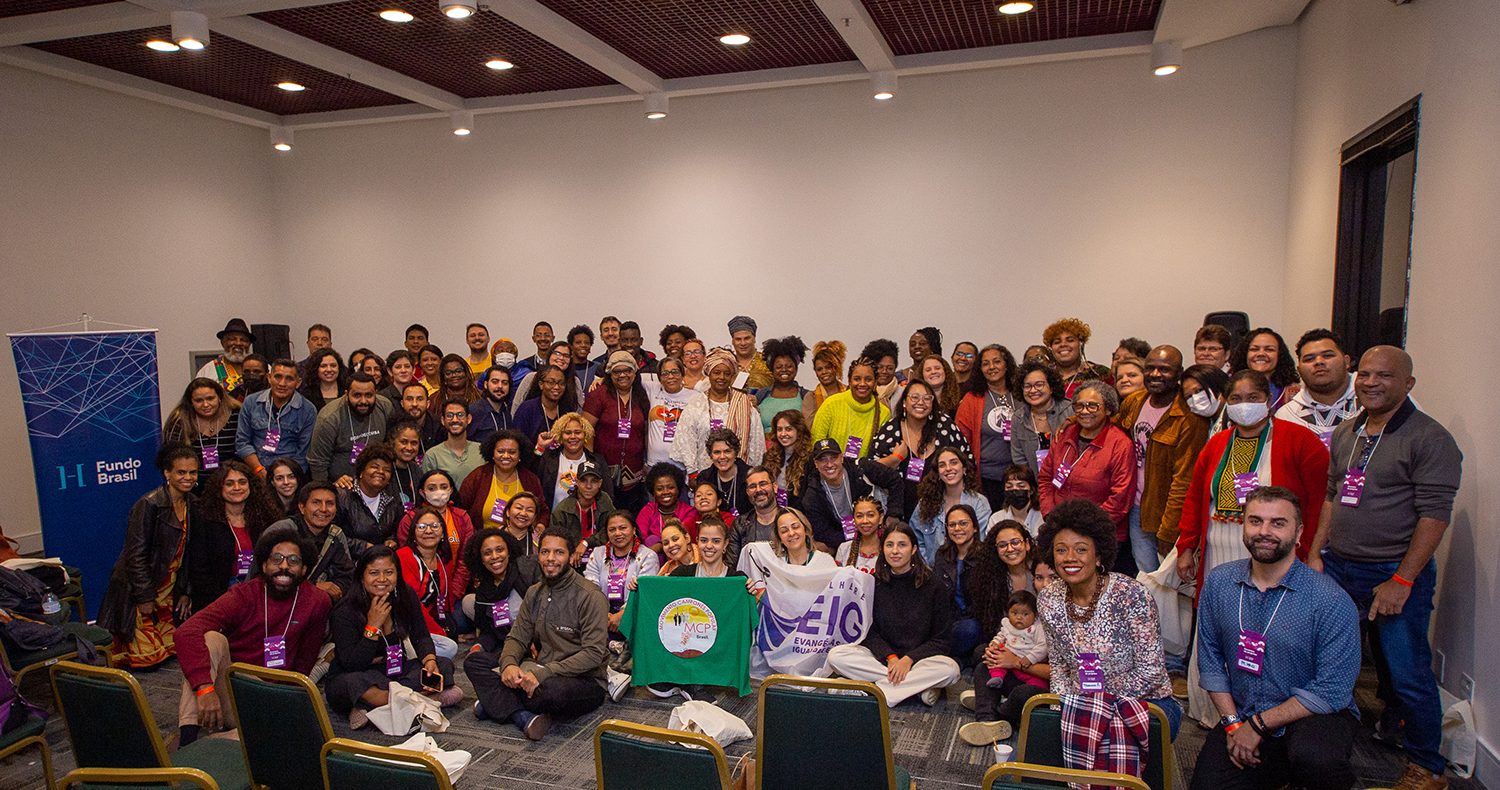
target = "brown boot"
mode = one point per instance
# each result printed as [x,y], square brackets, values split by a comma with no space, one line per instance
[1418,778]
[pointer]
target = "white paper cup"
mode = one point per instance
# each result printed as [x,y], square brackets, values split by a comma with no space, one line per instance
[1003,752]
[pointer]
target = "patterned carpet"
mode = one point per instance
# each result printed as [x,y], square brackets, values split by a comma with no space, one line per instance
[925,741]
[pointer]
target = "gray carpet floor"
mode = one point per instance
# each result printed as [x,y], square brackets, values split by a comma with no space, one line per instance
[924,740]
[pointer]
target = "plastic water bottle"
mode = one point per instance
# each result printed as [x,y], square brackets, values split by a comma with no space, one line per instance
[52,608]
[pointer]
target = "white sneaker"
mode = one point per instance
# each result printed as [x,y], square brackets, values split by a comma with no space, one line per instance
[931,696]
[619,683]
[966,699]
[667,691]
[984,733]
[320,668]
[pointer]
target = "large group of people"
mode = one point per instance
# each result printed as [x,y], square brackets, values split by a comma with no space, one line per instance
[494,509]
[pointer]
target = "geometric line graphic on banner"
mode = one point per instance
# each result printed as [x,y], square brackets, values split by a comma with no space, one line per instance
[106,381]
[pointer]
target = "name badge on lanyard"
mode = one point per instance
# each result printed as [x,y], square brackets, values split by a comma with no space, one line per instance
[1325,435]
[393,660]
[210,457]
[853,446]
[848,524]
[669,430]
[497,513]
[1090,673]
[1060,476]
[273,440]
[500,613]
[242,562]
[781,496]
[622,429]
[914,467]
[1243,485]
[1353,487]
[1041,458]
[615,587]
[274,651]
[354,451]
[1005,430]
[715,424]
[1251,651]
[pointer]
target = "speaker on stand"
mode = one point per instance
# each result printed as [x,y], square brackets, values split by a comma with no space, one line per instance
[273,341]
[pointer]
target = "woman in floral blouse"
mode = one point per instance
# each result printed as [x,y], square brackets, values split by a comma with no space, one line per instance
[1097,613]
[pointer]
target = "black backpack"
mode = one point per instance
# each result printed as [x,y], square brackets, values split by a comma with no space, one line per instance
[21,593]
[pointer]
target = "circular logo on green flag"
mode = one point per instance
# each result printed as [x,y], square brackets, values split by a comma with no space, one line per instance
[687,627]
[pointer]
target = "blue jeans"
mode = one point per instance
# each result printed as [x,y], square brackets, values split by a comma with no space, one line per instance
[1142,544]
[966,636]
[1173,709]
[1403,659]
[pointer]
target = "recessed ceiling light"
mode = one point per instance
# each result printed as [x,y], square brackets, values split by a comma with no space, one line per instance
[291,87]
[459,9]
[282,146]
[396,15]
[162,46]
[499,64]
[734,39]
[191,43]
[1013,7]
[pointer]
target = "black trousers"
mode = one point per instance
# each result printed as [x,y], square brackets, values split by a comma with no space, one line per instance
[564,697]
[1312,753]
[345,688]
[1000,704]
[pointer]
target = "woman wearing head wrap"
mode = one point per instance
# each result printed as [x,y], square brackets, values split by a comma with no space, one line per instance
[721,406]
[828,366]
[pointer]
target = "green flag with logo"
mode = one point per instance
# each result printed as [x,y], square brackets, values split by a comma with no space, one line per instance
[690,631]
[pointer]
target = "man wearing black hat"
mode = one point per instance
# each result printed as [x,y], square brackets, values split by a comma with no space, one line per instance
[225,368]
[583,513]
[829,494]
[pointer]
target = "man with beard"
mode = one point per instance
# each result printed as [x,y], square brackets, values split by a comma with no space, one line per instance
[564,619]
[276,422]
[330,566]
[758,524]
[1167,440]
[1327,395]
[1278,646]
[235,339]
[344,428]
[609,335]
[477,338]
[415,403]
[274,619]
[829,499]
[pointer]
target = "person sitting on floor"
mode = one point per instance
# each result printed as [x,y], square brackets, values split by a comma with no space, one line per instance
[380,638]
[565,620]
[262,621]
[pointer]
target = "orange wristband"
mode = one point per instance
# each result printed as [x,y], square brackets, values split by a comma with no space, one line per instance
[1404,583]
[1231,728]
[209,689]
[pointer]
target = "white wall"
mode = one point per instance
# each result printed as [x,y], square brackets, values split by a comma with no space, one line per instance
[1356,61]
[988,203]
[132,212]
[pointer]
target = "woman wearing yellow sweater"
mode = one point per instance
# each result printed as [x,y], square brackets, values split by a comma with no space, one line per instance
[854,414]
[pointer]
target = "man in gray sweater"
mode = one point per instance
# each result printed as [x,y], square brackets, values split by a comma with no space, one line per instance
[567,621]
[344,428]
[1391,483]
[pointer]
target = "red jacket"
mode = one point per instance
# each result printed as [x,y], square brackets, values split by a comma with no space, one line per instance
[1104,474]
[1299,462]
[458,583]
[967,417]
[475,489]
[242,615]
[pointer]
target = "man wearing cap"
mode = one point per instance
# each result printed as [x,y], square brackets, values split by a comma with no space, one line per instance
[225,368]
[583,513]
[742,330]
[829,494]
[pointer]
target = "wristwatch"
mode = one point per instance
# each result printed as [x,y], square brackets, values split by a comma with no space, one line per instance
[1230,720]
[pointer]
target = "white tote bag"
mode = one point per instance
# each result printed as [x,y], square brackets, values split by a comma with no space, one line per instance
[408,711]
[709,719]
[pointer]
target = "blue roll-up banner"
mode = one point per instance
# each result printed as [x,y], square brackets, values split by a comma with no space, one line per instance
[93,412]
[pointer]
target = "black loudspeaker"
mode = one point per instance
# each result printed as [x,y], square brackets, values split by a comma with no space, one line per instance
[273,341]
[1236,322]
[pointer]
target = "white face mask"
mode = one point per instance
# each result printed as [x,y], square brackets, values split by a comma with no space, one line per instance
[437,498]
[1203,403]
[505,359]
[1247,414]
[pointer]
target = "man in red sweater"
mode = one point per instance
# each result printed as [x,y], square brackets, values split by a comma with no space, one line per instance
[263,621]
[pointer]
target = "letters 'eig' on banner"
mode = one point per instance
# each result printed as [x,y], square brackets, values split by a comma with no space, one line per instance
[93,415]
[804,613]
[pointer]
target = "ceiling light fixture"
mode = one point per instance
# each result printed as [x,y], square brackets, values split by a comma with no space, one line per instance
[190,29]
[499,64]
[463,122]
[734,39]
[883,83]
[459,9]
[395,15]
[656,106]
[291,87]
[281,138]
[162,46]
[1166,58]
[1013,7]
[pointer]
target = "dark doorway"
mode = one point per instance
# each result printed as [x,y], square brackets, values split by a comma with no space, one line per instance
[1373,261]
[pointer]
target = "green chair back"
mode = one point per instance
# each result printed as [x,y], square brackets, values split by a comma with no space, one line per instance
[136,779]
[347,765]
[630,756]
[283,726]
[797,746]
[1028,776]
[107,719]
[1040,742]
